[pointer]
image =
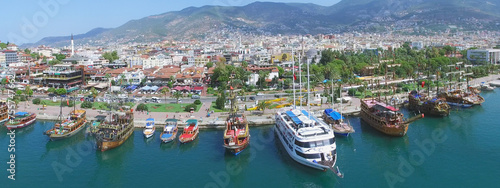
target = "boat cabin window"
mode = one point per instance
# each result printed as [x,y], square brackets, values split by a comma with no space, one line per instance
[315,143]
[308,156]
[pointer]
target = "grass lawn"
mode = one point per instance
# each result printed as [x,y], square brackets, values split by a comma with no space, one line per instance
[212,107]
[170,107]
[103,105]
[57,103]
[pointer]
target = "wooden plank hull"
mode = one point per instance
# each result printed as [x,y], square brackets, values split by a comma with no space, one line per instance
[107,145]
[67,135]
[21,125]
[382,127]
[237,149]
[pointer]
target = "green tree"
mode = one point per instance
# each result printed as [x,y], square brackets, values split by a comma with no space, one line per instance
[209,65]
[220,102]
[111,57]
[141,107]
[197,102]
[54,62]
[61,91]
[19,92]
[281,71]
[51,90]
[3,45]
[36,101]
[262,105]
[86,104]
[177,95]
[59,57]
[165,91]
[188,107]
[94,92]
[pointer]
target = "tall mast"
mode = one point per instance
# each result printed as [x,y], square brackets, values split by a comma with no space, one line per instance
[333,94]
[300,82]
[308,91]
[340,95]
[293,79]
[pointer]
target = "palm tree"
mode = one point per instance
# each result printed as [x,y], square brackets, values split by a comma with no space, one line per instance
[28,92]
[94,92]
[177,95]
[263,105]
[16,102]
[165,91]
[122,77]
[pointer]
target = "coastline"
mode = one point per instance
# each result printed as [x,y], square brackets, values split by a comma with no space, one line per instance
[217,120]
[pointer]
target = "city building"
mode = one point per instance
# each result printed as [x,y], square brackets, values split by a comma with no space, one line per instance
[63,76]
[10,57]
[490,56]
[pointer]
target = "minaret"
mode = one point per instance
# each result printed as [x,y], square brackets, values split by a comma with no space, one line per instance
[72,46]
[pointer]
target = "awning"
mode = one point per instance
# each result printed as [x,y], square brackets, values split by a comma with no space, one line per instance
[21,113]
[75,82]
[72,89]
[154,88]
[145,88]
[198,88]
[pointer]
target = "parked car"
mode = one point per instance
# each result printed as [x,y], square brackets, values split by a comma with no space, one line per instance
[195,97]
[52,95]
[252,98]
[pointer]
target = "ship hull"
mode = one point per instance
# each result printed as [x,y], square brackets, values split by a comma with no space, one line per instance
[17,126]
[237,149]
[187,140]
[107,145]
[67,135]
[341,133]
[296,158]
[392,131]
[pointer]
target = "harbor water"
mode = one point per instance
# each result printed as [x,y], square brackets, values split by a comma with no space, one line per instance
[461,150]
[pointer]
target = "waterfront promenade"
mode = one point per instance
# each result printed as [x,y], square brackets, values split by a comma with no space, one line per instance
[217,119]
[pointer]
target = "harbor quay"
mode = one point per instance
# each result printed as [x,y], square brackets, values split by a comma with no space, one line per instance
[217,119]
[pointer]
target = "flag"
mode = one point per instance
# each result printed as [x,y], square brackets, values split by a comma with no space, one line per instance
[423,83]
[456,68]
[7,79]
[294,77]
[67,102]
[231,87]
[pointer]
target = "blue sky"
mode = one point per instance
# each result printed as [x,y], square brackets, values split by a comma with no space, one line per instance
[29,21]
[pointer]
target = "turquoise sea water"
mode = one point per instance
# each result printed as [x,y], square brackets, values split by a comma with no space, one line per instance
[461,150]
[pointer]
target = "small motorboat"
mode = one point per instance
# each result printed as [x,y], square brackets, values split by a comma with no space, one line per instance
[169,131]
[190,132]
[149,131]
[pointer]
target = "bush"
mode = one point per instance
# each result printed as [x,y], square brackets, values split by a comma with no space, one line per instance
[188,107]
[210,90]
[141,107]
[67,103]
[197,102]
[36,101]
[351,92]
[20,97]
[86,104]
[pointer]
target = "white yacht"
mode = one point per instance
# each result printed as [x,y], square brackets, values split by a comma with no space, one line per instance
[306,139]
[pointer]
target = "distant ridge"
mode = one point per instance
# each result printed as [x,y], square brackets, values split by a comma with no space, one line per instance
[411,17]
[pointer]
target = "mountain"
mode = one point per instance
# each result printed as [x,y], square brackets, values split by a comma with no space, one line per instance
[65,40]
[416,16]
